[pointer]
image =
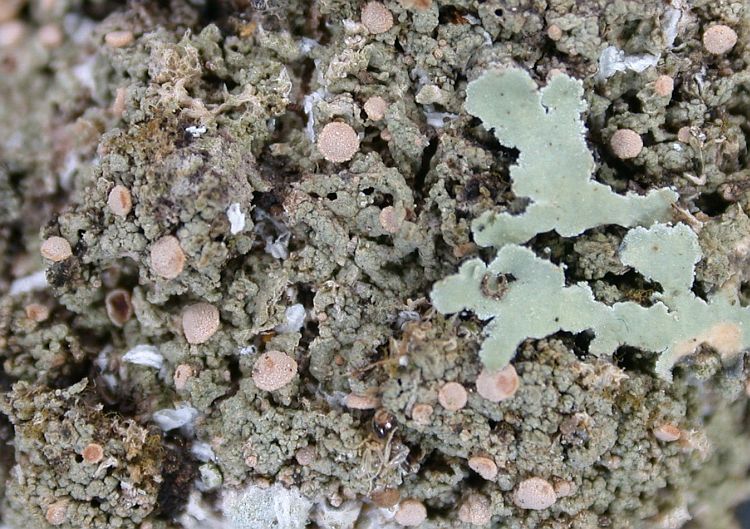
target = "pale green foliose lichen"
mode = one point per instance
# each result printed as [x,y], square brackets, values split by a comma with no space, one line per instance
[554,165]
[674,326]
[525,296]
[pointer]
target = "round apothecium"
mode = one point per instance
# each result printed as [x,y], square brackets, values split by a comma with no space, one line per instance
[167,257]
[626,144]
[411,513]
[37,312]
[422,414]
[50,35]
[56,249]
[664,85]
[200,322]
[534,494]
[306,455]
[375,108]
[12,33]
[274,370]
[498,385]
[377,18]
[484,466]
[338,142]
[182,374]
[92,453]
[120,201]
[476,509]
[554,32]
[357,401]
[386,498]
[119,306]
[57,513]
[119,39]
[667,432]
[719,39]
[452,396]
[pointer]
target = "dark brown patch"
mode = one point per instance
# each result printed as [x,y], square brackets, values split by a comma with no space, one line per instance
[178,473]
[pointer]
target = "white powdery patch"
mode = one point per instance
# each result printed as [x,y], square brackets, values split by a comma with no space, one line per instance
[250,349]
[102,359]
[295,319]
[308,106]
[79,29]
[336,399]
[275,246]
[278,247]
[261,508]
[700,79]
[181,417]
[196,132]
[613,60]
[421,75]
[199,515]
[203,452]
[350,26]
[343,517]
[306,45]
[377,518]
[670,27]
[406,316]
[70,165]
[437,119]
[144,355]
[35,281]
[236,218]
[84,73]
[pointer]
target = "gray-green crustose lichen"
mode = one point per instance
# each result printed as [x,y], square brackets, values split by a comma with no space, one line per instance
[569,419]
[53,428]
[213,108]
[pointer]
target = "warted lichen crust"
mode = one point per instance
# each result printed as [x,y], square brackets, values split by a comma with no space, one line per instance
[570,419]
[356,280]
[52,429]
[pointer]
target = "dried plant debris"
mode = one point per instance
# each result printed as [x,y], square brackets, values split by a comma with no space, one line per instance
[229,237]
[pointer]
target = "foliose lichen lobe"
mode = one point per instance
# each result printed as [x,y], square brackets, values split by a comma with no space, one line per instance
[210,116]
[534,121]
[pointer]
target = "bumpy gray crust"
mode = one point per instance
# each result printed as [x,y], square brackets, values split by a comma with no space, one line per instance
[52,430]
[209,107]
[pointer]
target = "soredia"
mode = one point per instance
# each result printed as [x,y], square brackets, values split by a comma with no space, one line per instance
[525,296]
[554,165]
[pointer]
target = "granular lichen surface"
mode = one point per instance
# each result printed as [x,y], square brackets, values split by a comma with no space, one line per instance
[225,228]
